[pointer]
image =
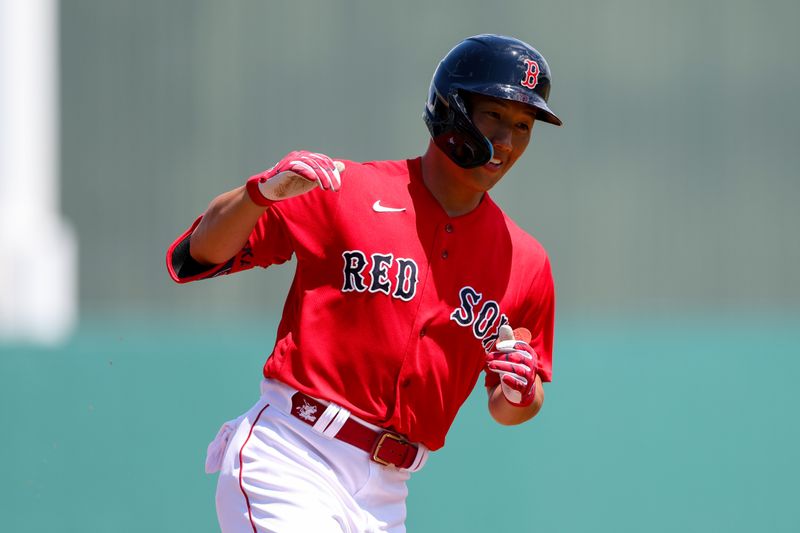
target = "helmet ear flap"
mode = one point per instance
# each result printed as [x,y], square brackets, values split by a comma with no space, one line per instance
[457,136]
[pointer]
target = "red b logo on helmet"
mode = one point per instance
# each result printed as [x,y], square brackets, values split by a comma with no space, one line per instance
[531,75]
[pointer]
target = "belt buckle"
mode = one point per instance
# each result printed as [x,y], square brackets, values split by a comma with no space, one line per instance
[381,440]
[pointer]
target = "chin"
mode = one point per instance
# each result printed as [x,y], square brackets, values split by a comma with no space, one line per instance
[488,178]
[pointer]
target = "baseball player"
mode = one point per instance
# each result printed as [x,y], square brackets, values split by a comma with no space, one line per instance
[408,281]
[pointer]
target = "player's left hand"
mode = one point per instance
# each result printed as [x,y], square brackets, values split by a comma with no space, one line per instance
[516,362]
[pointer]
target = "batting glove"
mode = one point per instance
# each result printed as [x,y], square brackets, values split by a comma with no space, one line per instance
[297,173]
[516,362]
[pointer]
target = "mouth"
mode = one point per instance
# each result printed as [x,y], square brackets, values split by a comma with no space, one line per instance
[494,164]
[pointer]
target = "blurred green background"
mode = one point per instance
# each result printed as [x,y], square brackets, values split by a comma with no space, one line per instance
[667,203]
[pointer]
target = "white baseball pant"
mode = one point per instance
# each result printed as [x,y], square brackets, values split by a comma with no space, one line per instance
[279,474]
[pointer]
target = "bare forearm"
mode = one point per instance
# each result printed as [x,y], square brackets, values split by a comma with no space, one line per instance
[510,415]
[225,227]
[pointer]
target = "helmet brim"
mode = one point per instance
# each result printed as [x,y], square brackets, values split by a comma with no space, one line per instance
[508,92]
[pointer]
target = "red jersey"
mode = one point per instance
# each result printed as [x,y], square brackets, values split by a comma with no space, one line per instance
[394,303]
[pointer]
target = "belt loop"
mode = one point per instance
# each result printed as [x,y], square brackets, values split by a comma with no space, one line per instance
[420,459]
[338,422]
[322,423]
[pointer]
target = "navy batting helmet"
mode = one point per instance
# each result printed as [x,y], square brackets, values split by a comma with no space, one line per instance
[492,65]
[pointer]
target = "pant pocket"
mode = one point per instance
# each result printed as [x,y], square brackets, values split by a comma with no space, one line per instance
[216,449]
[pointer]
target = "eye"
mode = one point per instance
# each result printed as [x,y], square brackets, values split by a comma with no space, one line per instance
[523,126]
[493,114]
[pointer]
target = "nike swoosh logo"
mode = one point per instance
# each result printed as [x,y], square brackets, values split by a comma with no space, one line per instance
[378,208]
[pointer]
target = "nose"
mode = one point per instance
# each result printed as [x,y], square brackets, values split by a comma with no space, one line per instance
[501,139]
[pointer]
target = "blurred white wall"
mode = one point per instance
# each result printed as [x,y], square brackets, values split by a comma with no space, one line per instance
[38,274]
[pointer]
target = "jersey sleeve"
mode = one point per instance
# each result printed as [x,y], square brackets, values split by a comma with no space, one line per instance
[538,316]
[268,244]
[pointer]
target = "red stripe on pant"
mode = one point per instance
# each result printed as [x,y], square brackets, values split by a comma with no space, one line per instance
[241,468]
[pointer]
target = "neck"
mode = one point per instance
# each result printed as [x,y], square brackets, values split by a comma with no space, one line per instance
[442,177]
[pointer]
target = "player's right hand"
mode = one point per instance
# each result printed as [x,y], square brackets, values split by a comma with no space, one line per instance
[516,362]
[297,173]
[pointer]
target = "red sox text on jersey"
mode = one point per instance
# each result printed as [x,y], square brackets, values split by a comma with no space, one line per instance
[402,285]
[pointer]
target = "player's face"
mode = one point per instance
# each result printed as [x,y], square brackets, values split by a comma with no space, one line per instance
[508,126]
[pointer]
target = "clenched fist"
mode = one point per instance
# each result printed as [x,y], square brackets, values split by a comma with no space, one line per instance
[516,362]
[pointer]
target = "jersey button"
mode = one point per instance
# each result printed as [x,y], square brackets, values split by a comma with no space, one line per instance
[444,254]
[405,382]
[423,332]
[448,228]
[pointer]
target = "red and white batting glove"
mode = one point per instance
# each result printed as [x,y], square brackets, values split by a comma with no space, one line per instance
[297,173]
[516,362]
